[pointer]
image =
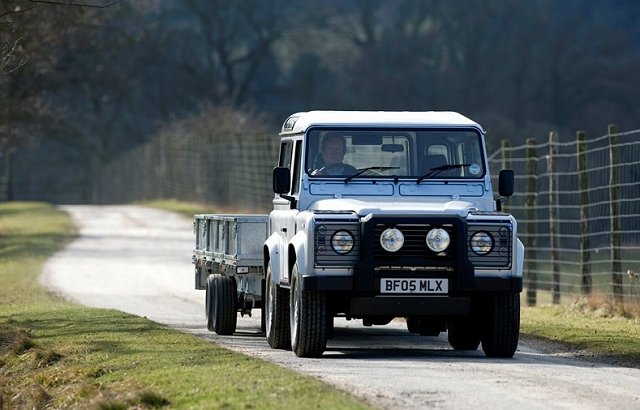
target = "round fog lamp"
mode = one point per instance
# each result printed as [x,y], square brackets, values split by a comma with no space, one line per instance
[481,243]
[342,242]
[438,240]
[391,240]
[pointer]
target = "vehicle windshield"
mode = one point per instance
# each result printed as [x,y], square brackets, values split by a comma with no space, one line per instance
[403,153]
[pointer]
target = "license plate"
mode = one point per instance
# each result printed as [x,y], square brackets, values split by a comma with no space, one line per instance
[417,286]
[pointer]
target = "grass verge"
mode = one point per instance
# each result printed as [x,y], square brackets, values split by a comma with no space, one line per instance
[598,334]
[56,354]
[191,208]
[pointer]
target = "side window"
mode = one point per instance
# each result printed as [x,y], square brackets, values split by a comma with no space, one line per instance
[295,175]
[285,154]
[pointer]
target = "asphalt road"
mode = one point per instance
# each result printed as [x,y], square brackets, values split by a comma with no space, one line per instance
[138,260]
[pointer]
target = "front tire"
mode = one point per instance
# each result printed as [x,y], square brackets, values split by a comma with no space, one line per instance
[221,304]
[276,312]
[502,328]
[308,319]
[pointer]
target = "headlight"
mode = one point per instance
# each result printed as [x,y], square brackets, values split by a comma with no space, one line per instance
[481,243]
[438,240]
[391,240]
[342,242]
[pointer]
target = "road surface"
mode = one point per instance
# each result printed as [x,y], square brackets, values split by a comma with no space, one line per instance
[138,260]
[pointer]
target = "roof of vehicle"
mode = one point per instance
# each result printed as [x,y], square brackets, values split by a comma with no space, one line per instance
[301,121]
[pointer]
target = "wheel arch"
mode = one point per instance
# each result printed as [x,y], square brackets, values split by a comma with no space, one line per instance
[271,255]
[297,253]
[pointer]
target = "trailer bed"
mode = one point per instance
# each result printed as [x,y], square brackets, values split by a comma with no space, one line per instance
[228,244]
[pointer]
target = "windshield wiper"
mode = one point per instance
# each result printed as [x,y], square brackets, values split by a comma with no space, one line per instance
[436,170]
[363,170]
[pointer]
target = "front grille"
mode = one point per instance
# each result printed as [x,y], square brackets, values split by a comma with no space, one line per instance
[414,259]
[415,245]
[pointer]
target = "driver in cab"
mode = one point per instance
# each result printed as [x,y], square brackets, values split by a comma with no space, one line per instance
[333,148]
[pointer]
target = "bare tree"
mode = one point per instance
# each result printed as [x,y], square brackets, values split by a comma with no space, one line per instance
[30,37]
[237,38]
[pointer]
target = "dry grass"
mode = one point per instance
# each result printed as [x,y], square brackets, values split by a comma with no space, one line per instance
[603,305]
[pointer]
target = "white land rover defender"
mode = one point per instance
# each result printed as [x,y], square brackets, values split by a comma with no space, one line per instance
[376,215]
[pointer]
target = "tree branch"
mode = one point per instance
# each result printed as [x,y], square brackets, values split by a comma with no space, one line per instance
[6,13]
[57,3]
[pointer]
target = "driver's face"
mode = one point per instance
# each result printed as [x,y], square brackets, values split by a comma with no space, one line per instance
[333,151]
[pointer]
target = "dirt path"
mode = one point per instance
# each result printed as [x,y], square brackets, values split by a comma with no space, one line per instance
[137,260]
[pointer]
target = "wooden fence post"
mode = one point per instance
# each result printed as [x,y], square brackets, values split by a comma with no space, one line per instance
[506,154]
[583,183]
[614,204]
[553,214]
[531,274]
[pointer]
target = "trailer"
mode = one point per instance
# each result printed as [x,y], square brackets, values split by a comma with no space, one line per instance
[228,263]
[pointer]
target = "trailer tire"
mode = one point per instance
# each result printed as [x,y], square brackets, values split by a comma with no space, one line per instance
[221,304]
[308,319]
[276,312]
[502,327]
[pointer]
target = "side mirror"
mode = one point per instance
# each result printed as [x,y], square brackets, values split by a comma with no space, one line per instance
[505,182]
[281,180]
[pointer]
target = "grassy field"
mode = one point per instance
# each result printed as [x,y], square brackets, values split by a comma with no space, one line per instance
[56,354]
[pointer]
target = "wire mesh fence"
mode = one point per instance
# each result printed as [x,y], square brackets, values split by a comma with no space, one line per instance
[233,173]
[578,211]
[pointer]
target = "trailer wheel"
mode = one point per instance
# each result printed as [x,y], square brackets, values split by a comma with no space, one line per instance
[308,319]
[502,327]
[276,312]
[462,334]
[221,304]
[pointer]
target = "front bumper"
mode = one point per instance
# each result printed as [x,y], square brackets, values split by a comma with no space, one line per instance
[357,304]
[480,284]
[409,305]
